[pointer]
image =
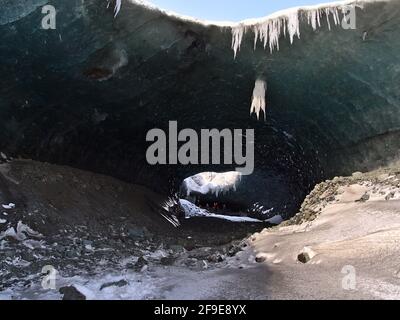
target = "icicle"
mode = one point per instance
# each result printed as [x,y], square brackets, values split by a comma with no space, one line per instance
[237,37]
[258,100]
[293,25]
[117,8]
[255,38]
[269,32]
[327,12]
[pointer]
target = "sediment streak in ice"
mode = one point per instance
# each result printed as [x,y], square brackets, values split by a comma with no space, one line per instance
[258,100]
[269,32]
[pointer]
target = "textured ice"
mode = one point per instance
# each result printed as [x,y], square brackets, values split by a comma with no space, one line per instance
[287,22]
[13,10]
[138,287]
[268,30]
[258,103]
[21,233]
[191,210]
[8,206]
[211,182]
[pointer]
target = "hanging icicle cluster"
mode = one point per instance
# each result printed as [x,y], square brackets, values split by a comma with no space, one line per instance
[258,103]
[269,32]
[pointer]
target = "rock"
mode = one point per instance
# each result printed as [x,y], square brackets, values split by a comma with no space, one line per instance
[357,175]
[389,196]
[364,198]
[71,253]
[177,248]
[383,177]
[167,261]
[303,257]
[234,249]
[71,293]
[261,258]
[87,242]
[136,233]
[89,248]
[306,255]
[190,262]
[8,253]
[140,264]
[27,256]
[215,258]
[130,265]
[120,283]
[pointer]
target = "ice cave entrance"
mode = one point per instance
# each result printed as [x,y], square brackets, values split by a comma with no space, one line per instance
[228,10]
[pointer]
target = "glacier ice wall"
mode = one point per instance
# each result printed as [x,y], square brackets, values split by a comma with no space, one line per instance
[86,93]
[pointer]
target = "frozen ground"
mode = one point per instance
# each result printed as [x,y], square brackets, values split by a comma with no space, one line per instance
[343,244]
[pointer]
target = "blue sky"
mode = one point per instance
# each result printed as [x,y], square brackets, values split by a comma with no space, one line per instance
[233,10]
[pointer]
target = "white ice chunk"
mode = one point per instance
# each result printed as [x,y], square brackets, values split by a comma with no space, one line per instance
[9,206]
[258,103]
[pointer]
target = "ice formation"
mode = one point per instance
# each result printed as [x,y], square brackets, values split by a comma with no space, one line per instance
[211,182]
[287,22]
[169,214]
[191,210]
[117,8]
[259,209]
[8,206]
[20,233]
[268,30]
[258,103]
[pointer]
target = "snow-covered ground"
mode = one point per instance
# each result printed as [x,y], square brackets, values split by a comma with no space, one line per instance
[137,287]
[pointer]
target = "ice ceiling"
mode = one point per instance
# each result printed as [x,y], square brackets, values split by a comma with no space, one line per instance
[86,93]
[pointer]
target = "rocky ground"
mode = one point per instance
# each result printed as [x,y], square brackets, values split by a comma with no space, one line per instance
[106,241]
[87,225]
